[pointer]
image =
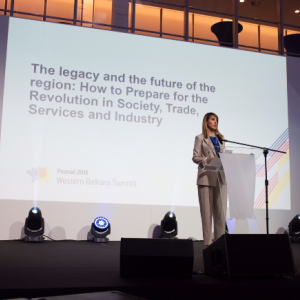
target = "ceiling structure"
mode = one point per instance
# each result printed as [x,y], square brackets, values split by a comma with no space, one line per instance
[257,9]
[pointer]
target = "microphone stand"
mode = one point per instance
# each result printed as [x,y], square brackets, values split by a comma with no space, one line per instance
[265,152]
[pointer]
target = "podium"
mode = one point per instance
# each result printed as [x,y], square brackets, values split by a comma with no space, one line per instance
[236,178]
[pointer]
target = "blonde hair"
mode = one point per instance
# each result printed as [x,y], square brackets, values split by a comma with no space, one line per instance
[205,127]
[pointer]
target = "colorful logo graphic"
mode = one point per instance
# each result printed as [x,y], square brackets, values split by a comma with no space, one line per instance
[278,171]
[40,174]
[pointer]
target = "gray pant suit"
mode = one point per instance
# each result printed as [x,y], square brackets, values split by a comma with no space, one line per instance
[209,193]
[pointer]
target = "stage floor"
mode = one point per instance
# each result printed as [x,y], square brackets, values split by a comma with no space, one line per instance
[69,267]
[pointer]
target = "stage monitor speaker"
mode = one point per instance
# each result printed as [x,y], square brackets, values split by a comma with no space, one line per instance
[156,258]
[249,254]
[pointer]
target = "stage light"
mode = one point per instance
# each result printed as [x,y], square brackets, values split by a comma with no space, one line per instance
[242,0]
[297,11]
[100,230]
[168,226]
[294,229]
[34,226]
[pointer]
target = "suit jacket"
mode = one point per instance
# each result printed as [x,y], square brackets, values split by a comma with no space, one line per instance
[204,148]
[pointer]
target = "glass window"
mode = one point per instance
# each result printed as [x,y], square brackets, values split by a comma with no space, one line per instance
[292,41]
[202,28]
[291,17]
[79,12]
[85,12]
[61,9]
[129,15]
[160,18]
[288,31]
[102,13]
[2,6]
[248,36]
[268,38]
[147,18]
[255,15]
[207,14]
[29,6]
[172,22]
[258,17]
[191,27]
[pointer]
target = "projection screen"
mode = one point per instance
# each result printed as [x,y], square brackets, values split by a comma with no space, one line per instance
[97,122]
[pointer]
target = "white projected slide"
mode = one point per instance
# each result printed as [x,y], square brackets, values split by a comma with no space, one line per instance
[105,117]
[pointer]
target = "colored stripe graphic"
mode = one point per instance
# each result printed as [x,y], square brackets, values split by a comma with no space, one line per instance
[257,167]
[273,159]
[278,189]
[276,145]
[283,159]
[259,202]
[277,160]
[279,142]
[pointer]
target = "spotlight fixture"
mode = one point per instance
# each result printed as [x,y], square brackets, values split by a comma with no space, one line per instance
[100,230]
[34,226]
[294,229]
[168,226]
[297,11]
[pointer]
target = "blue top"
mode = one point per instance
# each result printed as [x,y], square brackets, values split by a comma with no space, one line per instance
[215,143]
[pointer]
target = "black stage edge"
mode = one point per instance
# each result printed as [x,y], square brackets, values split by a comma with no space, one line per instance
[70,267]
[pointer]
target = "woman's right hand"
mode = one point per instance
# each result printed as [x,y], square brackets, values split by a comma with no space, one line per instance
[209,159]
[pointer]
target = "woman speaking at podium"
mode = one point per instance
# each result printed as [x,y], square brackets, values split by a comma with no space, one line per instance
[205,149]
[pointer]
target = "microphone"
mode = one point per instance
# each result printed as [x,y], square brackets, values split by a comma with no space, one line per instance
[219,138]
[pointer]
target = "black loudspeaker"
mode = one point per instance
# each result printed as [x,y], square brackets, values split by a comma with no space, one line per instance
[156,258]
[249,254]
